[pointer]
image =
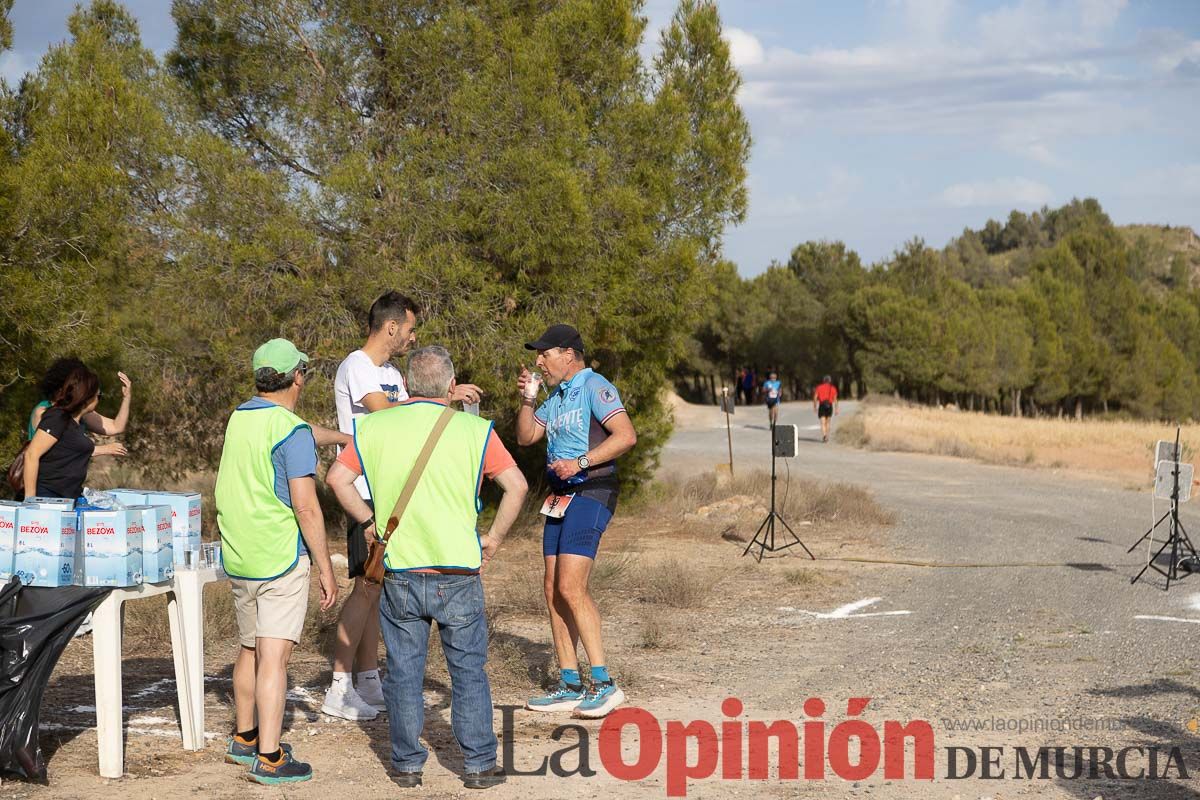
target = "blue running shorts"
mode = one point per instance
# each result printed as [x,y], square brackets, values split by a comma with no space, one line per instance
[578,532]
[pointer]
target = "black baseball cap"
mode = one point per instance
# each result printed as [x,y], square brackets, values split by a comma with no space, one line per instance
[557,336]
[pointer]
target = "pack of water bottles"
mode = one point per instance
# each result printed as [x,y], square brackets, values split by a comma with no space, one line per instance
[119,538]
[185,518]
[43,543]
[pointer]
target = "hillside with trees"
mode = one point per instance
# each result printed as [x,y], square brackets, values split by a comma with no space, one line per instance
[1056,312]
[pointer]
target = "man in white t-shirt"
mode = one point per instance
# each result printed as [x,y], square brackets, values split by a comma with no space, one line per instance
[367,381]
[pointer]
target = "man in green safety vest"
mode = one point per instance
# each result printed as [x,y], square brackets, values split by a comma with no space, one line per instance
[434,557]
[271,530]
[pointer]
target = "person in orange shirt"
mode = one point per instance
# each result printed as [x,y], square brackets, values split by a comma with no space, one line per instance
[825,403]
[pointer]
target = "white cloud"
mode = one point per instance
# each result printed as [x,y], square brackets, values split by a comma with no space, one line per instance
[1177,53]
[1030,78]
[1030,145]
[1006,192]
[744,48]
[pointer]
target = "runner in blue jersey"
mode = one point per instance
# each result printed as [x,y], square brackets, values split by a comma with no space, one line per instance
[773,392]
[586,429]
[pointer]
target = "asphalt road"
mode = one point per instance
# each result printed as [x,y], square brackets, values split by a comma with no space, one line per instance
[1053,645]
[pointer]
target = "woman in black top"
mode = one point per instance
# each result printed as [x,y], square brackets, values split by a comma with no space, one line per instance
[56,461]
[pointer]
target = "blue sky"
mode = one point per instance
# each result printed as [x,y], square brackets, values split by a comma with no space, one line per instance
[879,120]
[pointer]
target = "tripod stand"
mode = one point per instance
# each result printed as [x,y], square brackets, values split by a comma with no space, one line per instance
[765,537]
[1177,537]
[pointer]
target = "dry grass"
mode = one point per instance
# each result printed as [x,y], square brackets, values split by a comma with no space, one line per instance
[612,571]
[655,631]
[816,502]
[520,593]
[805,577]
[1123,449]
[673,582]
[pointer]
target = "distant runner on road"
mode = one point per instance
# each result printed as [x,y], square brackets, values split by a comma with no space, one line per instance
[773,392]
[825,403]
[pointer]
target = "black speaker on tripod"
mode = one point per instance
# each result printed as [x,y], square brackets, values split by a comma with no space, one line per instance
[785,440]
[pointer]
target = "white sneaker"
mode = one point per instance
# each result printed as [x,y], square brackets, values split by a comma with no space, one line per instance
[371,692]
[345,703]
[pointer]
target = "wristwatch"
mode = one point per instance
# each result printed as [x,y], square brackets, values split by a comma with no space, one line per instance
[583,461]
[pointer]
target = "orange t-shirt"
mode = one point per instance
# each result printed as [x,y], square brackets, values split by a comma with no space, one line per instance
[826,393]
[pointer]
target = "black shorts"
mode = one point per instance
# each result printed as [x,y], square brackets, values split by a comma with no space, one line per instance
[356,547]
[825,410]
[772,403]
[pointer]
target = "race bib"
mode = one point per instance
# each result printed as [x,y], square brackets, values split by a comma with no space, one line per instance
[555,506]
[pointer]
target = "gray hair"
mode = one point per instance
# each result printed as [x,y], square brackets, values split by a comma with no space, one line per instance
[429,372]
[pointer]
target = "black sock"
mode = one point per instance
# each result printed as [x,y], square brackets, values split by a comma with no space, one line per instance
[249,736]
[272,757]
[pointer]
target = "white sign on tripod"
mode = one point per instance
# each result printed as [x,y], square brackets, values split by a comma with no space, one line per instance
[1164,480]
[1166,451]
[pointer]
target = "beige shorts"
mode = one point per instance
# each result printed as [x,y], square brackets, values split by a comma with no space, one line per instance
[273,609]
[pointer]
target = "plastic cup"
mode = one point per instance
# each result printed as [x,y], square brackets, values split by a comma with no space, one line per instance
[471,408]
[533,384]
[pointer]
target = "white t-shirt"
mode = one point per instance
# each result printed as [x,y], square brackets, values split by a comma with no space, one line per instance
[357,377]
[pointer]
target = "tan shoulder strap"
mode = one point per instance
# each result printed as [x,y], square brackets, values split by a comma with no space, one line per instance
[414,477]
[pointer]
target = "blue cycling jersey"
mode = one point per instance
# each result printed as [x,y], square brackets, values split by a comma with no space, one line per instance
[574,418]
[773,390]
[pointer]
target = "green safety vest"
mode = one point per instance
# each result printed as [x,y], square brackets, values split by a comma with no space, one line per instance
[260,537]
[438,528]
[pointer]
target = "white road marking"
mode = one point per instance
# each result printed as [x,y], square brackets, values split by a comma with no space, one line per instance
[1168,619]
[847,611]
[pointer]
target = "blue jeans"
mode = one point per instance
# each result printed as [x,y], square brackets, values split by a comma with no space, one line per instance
[411,601]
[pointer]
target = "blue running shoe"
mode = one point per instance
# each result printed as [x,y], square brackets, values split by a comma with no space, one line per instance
[564,697]
[601,698]
[286,770]
[244,754]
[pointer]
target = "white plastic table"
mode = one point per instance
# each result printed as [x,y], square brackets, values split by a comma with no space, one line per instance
[185,610]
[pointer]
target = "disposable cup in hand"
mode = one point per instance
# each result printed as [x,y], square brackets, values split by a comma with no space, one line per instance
[531,385]
[471,408]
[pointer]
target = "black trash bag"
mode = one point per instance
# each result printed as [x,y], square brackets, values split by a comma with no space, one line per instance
[36,623]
